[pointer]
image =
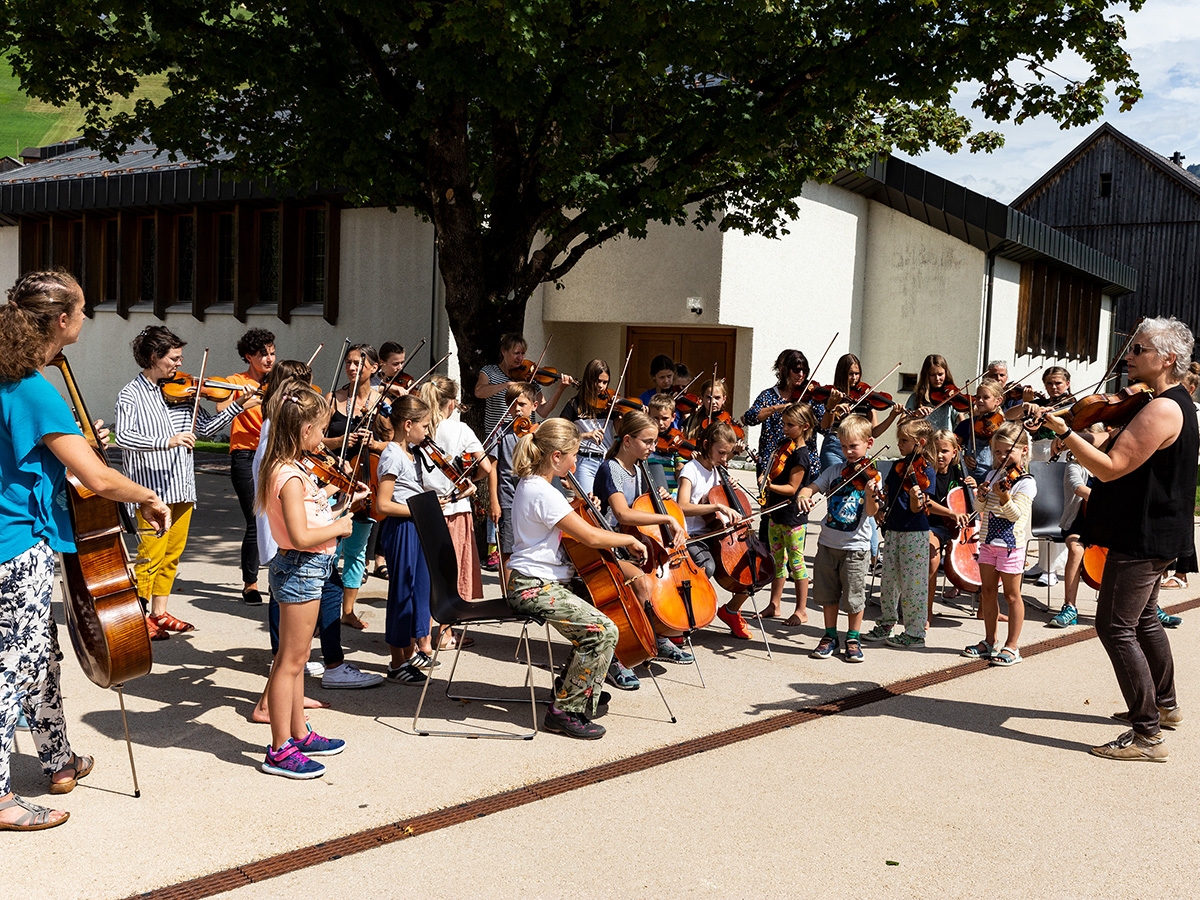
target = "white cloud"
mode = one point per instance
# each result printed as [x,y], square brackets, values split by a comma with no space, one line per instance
[1164,44]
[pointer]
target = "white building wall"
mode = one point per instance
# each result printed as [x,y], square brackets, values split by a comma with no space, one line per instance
[1005,298]
[386,279]
[10,258]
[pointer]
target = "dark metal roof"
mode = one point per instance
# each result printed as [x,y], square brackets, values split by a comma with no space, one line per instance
[982,222]
[142,176]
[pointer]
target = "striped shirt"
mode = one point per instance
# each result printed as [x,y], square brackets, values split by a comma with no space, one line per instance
[494,405]
[145,423]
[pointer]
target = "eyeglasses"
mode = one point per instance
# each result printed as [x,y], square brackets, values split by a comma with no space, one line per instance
[1138,350]
[799,370]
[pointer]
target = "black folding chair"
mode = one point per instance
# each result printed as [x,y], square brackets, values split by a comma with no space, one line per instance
[448,608]
[1048,506]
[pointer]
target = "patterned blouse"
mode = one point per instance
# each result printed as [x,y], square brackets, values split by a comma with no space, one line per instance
[772,435]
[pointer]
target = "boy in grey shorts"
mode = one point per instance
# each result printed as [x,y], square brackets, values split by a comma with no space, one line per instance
[844,546]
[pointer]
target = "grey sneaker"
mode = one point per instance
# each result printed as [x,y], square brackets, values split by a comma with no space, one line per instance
[1168,718]
[904,639]
[878,634]
[1134,747]
[348,677]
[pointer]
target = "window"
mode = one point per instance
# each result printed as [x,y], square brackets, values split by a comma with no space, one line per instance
[313,258]
[185,268]
[268,257]
[1106,184]
[1058,314]
[147,259]
[226,253]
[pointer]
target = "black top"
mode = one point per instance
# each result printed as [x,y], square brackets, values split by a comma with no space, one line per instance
[1147,513]
[790,515]
[942,485]
[899,516]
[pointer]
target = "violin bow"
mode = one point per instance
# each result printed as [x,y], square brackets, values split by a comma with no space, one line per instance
[428,371]
[683,390]
[613,402]
[808,381]
[199,390]
[337,371]
[314,353]
[351,399]
[858,471]
[1112,368]
[958,391]
[868,393]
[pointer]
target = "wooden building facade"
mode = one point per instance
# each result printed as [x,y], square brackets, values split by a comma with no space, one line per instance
[1128,202]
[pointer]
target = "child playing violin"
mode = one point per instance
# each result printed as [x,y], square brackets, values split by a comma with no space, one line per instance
[698,477]
[521,397]
[935,373]
[905,580]
[618,484]
[539,571]
[840,570]
[662,414]
[1005,502]
[588,409]
[975,432]
[943,521]
[788,526]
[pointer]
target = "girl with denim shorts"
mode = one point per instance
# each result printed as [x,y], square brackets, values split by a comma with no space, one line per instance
[306,529]
[1005,504]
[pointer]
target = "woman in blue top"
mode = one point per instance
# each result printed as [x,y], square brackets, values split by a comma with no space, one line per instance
[39,440]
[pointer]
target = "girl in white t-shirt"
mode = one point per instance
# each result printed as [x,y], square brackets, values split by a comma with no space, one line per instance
[455,439]
[539,569]
[306,529]
[699,476]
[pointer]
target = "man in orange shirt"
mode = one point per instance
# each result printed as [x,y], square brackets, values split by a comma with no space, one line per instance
[257,348]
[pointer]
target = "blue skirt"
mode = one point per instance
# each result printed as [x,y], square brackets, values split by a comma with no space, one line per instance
[408,582]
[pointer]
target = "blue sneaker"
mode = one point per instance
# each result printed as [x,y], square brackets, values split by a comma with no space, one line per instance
[826,648]
[853,650]
[622,678]
[315,745]
[668,652]
[1066,617]
[1168,621]
[291,763]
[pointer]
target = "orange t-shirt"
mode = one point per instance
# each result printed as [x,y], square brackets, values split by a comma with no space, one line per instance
[246,427]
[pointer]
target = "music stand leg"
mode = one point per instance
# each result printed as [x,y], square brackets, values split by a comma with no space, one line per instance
[761,629]
[120,689]
[660,693]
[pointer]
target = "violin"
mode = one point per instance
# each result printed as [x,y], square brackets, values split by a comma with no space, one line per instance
[181,388]
[523,425]
[674,442]
[775,469]
[686,404]
[619,405]
[528,370]
[1113,410]
[1017,392]
[723,416]
[437,460]
[907,469]
[986,426]
[324,466]
[743,561]
[682,599]
[1009,476]
[959,401]
[606,585]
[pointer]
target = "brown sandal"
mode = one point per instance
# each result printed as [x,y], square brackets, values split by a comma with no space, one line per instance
[82,765]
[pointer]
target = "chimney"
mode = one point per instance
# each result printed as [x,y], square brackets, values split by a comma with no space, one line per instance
[1178,158]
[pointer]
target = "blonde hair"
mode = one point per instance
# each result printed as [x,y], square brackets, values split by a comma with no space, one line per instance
[944,434]
[534,449]
[630,425]
[437,392]
[990,386]
[27,323]
[801,414]
[716,433]
[855,428]
[919,430]
[295,405]
[1013,433]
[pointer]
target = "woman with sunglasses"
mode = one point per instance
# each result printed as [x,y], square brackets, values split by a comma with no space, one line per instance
[791,371]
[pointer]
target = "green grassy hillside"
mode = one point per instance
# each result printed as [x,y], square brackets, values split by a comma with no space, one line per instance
[31,123]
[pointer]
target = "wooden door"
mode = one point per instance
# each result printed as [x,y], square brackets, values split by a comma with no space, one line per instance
[697,348]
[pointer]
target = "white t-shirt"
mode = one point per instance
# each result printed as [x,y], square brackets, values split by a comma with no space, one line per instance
[703,480]
[394,461]
[454,438]
[266,542]
[537,542]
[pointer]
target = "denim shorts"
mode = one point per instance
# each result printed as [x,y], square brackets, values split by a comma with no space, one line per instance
[297,576]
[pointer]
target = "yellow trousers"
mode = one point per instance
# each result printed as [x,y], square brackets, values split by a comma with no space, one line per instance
[158,557]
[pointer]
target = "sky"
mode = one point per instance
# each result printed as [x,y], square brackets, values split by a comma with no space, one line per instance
[1163,39]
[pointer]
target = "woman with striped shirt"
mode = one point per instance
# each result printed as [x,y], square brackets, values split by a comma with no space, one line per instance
[156,440]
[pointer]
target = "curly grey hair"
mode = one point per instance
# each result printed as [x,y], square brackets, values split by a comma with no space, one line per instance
[1169,335]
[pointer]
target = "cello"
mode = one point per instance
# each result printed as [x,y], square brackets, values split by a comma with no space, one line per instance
[744,563]
[961,561]
[104,617]
[607,587]
[683,599]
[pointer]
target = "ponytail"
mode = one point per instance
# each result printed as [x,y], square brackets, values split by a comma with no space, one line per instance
[534,449]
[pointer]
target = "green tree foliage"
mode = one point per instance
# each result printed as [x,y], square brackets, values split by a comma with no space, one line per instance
[531,131]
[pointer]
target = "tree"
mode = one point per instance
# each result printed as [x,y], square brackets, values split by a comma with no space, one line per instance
[531,132]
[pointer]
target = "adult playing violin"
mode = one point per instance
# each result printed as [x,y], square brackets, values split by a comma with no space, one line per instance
[791,371]
[39,441]
[350,425]
[257,349]
[156,440]
[1141,510]
[494,381]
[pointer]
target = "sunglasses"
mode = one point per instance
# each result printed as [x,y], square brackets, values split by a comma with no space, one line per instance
[799,370]
[1138,350]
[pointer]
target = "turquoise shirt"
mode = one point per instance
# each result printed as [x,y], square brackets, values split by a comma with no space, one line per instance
[33,501]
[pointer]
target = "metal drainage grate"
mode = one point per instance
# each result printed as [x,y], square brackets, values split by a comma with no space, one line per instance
[328,851]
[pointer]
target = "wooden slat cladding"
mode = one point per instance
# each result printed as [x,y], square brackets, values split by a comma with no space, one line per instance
[1131,204]
[1058,314]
